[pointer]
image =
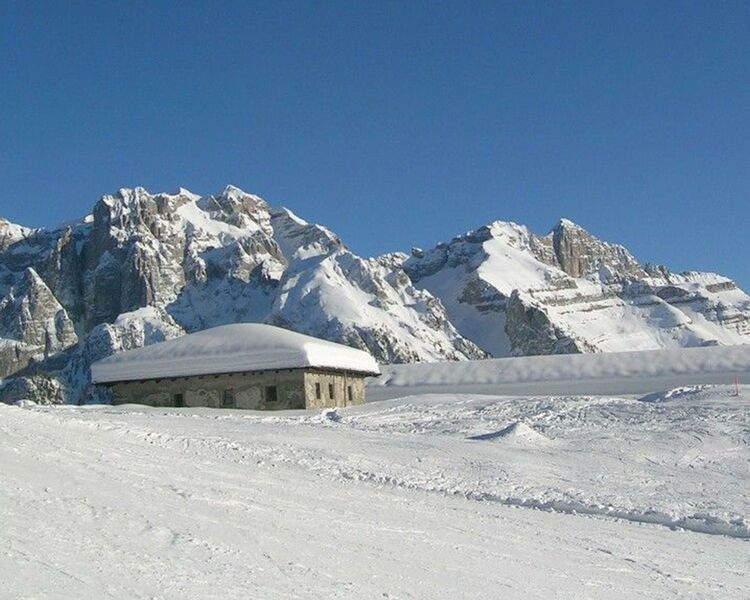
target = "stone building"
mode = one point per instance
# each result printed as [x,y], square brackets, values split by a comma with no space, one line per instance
[247,365]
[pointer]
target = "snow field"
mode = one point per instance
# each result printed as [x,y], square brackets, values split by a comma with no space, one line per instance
[420,497]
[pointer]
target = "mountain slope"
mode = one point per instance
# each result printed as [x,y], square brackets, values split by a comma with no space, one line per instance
[516,293]
[330,292]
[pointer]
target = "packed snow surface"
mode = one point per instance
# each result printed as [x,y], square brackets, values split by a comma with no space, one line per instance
[596,374]
[430,496]
[229,349]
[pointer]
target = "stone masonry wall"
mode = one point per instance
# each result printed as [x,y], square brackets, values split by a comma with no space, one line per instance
[341,383]
[250,390]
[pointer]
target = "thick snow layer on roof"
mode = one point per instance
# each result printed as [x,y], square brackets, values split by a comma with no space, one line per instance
[231,349]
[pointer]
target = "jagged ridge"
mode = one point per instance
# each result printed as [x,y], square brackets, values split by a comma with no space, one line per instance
[145,267]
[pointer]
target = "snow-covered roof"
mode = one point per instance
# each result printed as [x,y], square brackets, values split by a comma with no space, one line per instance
[231,349]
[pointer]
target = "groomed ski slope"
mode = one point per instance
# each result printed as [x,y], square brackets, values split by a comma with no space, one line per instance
[430,496]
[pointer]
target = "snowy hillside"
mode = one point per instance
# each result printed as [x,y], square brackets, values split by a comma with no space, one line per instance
[147,267]
[449,496]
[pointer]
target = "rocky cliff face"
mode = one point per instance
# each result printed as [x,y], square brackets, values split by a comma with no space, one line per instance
[146,267]
[580,254]
[32,323]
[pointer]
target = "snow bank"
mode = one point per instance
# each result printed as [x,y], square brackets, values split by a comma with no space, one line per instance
[230,349]
[597,374]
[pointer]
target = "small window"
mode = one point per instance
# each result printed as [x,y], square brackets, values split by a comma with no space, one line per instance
[318,393]
[271,393]
[179,400]
[349,393]
[330,391]
[227,399]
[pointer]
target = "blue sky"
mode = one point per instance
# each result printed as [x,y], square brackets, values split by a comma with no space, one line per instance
[394,123]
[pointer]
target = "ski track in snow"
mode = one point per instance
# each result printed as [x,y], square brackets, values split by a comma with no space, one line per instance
[418,497]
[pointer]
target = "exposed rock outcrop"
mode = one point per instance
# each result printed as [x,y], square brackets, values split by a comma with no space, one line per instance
[42,389]
[580,254]
[31,316]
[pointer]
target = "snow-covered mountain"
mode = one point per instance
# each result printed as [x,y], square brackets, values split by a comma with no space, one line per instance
[147,267]
[516,293]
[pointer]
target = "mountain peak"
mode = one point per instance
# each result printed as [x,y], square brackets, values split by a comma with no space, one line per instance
[186,193]
[11,233]
[297,237]
[564,223]
[238,194]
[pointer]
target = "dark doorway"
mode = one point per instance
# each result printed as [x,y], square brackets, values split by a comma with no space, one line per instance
[179,400]
[271,393]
